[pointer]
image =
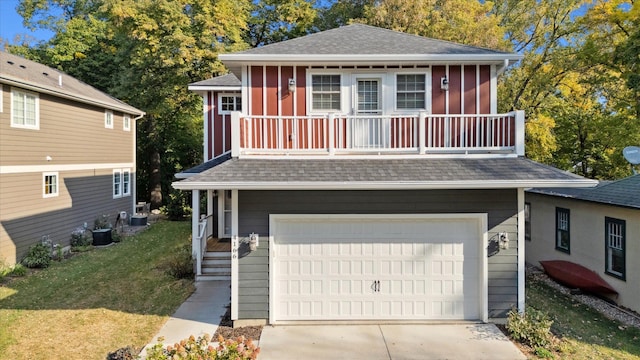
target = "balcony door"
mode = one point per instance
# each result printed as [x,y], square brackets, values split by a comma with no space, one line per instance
[369,130]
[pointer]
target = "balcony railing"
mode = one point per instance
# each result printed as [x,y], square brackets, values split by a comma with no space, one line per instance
[378,134]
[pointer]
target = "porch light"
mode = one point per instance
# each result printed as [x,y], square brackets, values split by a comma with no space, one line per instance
[292,85]
[444,83]
[253,241]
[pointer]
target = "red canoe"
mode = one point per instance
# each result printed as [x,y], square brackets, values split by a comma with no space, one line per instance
[577,276]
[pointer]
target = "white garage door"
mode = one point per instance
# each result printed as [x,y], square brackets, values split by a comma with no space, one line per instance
[376,268]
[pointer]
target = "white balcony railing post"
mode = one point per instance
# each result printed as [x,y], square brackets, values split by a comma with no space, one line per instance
[520,132]
[195,230]
[332,135]
[235,134]
[422,133]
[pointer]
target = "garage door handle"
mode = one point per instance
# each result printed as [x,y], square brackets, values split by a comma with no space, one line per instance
[375,286]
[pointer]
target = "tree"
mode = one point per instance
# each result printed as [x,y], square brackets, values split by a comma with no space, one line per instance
[277,20]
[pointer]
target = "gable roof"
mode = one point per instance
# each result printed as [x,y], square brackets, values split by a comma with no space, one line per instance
[219,83]
[30,75]
[377,173]
[369,44]
[624,192]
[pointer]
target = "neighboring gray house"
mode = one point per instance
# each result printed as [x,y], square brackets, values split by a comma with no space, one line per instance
[67,155]
[374,171]
[598,228]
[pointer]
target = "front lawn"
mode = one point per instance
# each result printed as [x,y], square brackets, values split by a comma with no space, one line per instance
[583,332]
[94,302]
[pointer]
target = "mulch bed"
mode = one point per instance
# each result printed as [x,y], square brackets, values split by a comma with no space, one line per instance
[227,330]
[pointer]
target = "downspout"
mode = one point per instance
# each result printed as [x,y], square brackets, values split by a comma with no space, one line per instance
[134,199]
[502,68]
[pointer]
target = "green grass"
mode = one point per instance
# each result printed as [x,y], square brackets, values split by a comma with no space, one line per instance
[584,333]
[95,302]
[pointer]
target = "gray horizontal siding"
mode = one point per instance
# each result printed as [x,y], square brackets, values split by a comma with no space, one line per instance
[256,206]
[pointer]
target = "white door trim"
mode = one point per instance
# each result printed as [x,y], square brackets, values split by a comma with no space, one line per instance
[481,219]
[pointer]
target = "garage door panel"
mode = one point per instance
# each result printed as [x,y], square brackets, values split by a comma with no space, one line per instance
[327,268]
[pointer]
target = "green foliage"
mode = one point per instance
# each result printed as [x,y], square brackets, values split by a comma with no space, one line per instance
[18,270]
[532,328]
[39,256]
[543,353]
[102,222]
[177,207]
[80,238]
[180,263]
[201,348]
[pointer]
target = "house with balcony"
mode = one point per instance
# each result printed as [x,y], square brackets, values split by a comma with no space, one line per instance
[364,174]
[67,156]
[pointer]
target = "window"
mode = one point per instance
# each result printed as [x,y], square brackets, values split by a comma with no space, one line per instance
[24,110]
[126,123]
[117,183]
[108,119]
[563,238]
[615,239]
[229,102]
[410,91]
[50,184]
[325,92]
[527,221]
[126,182]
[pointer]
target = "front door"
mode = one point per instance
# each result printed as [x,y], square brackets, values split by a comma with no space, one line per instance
[369,129]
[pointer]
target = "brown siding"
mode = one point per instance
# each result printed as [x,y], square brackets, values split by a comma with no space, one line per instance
[470,89]
[438,96]
[256,91]
[485,89]
[301,89]
[455,90]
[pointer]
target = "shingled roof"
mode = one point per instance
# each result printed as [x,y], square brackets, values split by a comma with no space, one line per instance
[624,192]
[17,71]
[227,81]
[376,173]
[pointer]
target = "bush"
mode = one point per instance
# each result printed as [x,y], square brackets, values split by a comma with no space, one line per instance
[18,270]
[177,207]
[180,263]
[80,238]
[532,328]
[102,222]
[201,348]
[39,256]
[125,353]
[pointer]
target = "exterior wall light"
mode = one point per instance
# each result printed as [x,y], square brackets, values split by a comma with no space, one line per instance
[444,83]
[254,241]
[292,85]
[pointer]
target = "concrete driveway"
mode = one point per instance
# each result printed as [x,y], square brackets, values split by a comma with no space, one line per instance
[431,341]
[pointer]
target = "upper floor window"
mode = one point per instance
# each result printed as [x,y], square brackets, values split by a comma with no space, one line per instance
[229,102]
[126,123]
[527,221]
[108,119]
[325,92]
[411,91]
[25,110]
[563,236]
[50,184]
[615,245]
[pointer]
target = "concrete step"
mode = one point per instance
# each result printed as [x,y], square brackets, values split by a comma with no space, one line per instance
[212,262]
[206,277]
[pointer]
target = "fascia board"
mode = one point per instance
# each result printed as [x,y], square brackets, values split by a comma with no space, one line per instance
[379,185]
[213,88]
[369,58]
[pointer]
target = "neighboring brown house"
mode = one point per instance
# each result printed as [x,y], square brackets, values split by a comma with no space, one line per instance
[377,174]
[598,228]
[67,155]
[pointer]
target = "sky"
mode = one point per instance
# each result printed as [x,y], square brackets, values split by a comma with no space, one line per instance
[11,23]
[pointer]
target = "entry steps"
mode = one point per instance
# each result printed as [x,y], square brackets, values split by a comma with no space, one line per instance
[216,265]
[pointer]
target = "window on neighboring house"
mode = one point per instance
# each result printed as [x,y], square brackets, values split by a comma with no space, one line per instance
[410,91]
[615,243]
[325,92]
[563,236]
[117,183]
[527,221]
[126,123]
[108,119]
[50,184]
[24,110]
[126,182]
[229,102]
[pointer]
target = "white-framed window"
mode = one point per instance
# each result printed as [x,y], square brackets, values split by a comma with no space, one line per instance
[411,91]
[527,221]
[126,123]
[615,244]
[25,109]
[108,119]
[563,234]
[49,184]
[126,182]
[117,183]
[229,102]
[326,94]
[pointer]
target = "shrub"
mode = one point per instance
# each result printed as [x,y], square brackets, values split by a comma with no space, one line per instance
[180,263]
[177,207]
[201,348]
[80,238]
[39,256]
[102,222]
[18,270]
[125,353]
[532,328]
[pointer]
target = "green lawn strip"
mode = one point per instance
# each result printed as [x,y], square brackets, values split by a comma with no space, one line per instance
[118,285]
[586,333]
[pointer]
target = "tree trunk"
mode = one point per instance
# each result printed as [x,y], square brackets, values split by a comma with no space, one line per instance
[155,180]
